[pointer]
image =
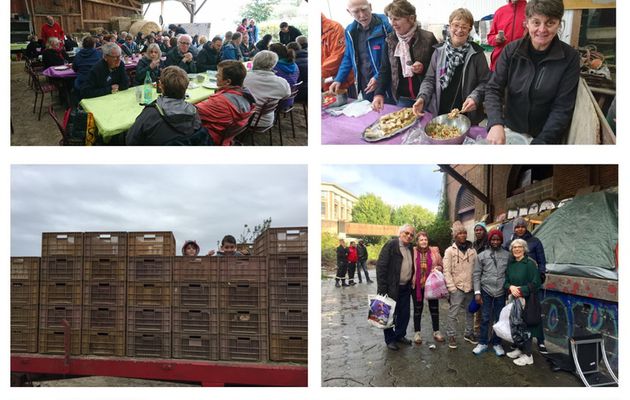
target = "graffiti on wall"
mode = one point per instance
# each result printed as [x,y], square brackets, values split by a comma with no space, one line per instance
[568,315]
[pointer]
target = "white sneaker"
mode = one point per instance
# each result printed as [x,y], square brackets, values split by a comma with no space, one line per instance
[514,353]
[480,348]
[417,338]
[498,350]
[524,360]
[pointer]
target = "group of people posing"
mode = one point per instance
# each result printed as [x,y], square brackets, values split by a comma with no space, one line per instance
[277,70]
[529,87]
[486,272]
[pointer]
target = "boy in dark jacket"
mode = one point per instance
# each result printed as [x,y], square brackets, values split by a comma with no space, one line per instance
[170,118]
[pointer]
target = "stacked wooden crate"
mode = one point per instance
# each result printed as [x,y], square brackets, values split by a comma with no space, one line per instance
[104,293]
[24,304]
[60,292]
[243,308]
[286,252]
[149,268]
[195,308]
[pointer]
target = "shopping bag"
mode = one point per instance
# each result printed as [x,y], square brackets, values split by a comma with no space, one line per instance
[518,327]
[435,286]
[381,311]
[502,326]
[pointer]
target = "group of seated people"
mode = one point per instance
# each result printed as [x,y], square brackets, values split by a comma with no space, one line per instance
[389,58]
[170,120]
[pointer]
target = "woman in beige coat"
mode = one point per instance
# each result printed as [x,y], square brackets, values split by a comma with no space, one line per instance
[459,262]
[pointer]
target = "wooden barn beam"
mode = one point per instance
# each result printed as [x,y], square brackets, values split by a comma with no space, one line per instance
[114,5]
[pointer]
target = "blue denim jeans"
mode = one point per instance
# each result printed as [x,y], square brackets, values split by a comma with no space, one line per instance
[491,306]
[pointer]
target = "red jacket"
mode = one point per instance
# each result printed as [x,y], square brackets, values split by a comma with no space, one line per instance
[353,256]
[229,107]
[511,20]
[51,31]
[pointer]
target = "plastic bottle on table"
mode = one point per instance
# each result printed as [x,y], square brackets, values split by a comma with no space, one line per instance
[148,89]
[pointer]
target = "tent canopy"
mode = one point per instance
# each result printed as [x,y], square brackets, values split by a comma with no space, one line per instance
[580,237]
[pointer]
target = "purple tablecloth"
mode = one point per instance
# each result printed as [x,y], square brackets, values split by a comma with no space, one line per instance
[349,130]
[51,72]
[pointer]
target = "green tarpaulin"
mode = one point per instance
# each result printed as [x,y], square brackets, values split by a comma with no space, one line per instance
[580,237]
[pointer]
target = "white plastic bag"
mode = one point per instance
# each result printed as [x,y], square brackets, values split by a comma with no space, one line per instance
[502,327]
[435,286]
[381,311]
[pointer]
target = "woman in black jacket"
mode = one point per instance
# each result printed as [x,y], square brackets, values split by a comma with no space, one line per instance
[534,87]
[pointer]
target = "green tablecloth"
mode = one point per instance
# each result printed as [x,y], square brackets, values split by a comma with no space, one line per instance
[115,113]
[18,46]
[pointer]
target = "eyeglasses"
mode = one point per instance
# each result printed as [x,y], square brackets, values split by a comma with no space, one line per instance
[458,27]
[185,43]
[408,233]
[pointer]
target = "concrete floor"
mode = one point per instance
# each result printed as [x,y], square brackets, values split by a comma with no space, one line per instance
[28,131]
[354,353]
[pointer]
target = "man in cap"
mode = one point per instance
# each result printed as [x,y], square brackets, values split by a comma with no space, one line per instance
[459,261]
[488,280]
[481,237]
[394,274]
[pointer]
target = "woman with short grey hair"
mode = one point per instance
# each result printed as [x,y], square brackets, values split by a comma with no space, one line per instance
[522,280]
[263,83]
[151,63]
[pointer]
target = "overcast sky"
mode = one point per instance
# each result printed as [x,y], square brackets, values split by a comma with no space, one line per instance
[200,202]
[395,184]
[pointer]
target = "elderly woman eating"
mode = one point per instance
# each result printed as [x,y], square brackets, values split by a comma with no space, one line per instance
[151,63]
[406,56]
[457,74]
[534,87]
[521,280]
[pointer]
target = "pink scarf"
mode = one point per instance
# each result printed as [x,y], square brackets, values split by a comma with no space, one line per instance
[402,51]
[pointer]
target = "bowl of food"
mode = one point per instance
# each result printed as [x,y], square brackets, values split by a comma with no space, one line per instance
[445,130]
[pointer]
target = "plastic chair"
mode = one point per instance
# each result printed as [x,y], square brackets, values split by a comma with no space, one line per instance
[41,88]
[294,92]
[268,106]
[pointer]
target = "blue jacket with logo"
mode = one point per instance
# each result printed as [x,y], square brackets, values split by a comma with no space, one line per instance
[375,43]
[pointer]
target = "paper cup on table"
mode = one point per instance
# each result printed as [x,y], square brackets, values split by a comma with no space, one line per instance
[139,94]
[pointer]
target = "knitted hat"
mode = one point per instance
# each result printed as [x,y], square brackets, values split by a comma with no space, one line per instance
[496,232]
[520,221]
[481,224]
[457,228]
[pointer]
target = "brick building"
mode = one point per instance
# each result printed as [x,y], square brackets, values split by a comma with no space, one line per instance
[514,190]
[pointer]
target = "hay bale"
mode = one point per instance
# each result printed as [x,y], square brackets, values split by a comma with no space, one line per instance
[120,23]
[145,27]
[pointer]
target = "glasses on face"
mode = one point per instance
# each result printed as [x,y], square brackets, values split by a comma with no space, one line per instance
[184,43]
[410,234]
[460,27]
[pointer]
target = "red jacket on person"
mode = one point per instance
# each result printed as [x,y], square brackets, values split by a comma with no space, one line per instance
[353,256]
[51,31]
[510,19]
[228,108]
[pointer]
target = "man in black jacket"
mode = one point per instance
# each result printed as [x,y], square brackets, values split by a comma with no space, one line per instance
[342,264]
[288,33]
[208,57]
[394,274]
[363,257]
[106,76]
[181,55]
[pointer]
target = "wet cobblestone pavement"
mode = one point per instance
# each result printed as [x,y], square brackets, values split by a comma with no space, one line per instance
[354,353]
